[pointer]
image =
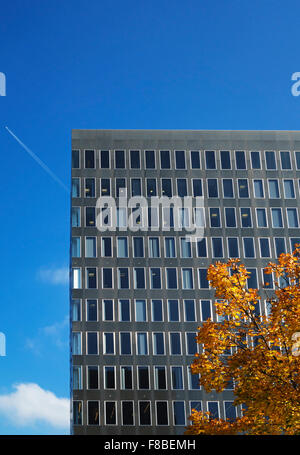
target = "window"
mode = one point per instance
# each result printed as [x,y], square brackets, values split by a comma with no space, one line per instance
[243,188]
[252,279]
[142,344]
[75,187]
[166,186]
[213,409]
[227,188]
[246,217]
[151,187]
[120,159]
[186,250]
[76,278]
[249,251]
[285,160]
[178,413]
[195,160]
[77,412]
[109,343]
[104,159]
[276,218]
[197,405]
[258,188]
[93,377]
[123,278]
[279,246]
[75,216]
[273,189]
[210,159]
[255,160]
[181,187]
[91,310]
[225,159]
[140,311]
[108,310]
[109,378]
[197,187]
[92,343]
[90,247]
[91,278]
[126,378]
[261,217]
[138,247]
[292,217]
[289,191]
[297,155]
[270,160]
[150,159]
[160,382]
[143,377]
[127,413]
[203,282]
[76,247]
[240,160]
[191,344]
[193,380]
[215,220]
[173,310]
[217,247]
[106,247]
[154,247]
[189,310]
[110,413]
[212,188]
[267,280]
[107,278]
[90,217]
[144,412]
[201,248]
[125,343]
[264,247]
[233,247]
[162,413]
[76,343]
[187,278]
[120,186]
[175,343]
[170,251]
[122,247]
[294,242]
[157,310]
[165,159]
[105,187]
[180,159]
[135,159]
[75,159]
[230,217]
[205,306]
[76,310]
[89,159]
[177,378]
[171,276]
[136,187]
[229,410]
[158,343]
[155,278]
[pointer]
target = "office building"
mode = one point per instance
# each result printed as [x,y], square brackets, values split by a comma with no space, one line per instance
[138,284]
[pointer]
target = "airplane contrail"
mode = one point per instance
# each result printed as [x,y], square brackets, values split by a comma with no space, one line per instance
[38,160]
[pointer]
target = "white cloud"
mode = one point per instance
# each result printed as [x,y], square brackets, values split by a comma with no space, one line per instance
[54,275]
[29,404]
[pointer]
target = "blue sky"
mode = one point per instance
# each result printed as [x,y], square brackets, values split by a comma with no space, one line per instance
[109,64]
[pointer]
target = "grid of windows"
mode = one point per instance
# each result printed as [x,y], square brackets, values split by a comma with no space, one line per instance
[153,284]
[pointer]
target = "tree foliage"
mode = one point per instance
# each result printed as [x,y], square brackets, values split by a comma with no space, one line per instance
[257,350]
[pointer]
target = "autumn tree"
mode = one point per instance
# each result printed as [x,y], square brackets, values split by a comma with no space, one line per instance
[258,350]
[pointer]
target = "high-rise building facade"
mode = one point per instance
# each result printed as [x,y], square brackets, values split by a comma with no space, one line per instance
[138,270]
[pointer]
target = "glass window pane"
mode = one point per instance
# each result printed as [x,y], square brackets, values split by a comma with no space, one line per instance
[150,159]
[180,159]
[75,216]
[155,278]
[261,217]
[240,160]
[135,159]
[171,278]
[276,218]
[75,187]
[289,191]
[165,159]
[154,247]
[249,251]
[217,247]
[215,220]
[246,217]
[258,188]
[210,159]
[233,248]
[273,189]
[177,379]
[125,343]
[140,311]
[124,310]
[225,159]
[230,217]
[195,160]
[89,161]
[157,310]
[201,248]
[90,247]
[76,247]
[255,160]
[270,160]
[108,310]
[292,217]
[243,188]
[212,188]
[104,159]
[173,310]
[122,245]
[227,188]
[285,160]
[91,310]
[119,159]
[138,247]
[205,310]
[75,159]
[189,308]
[179,413]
